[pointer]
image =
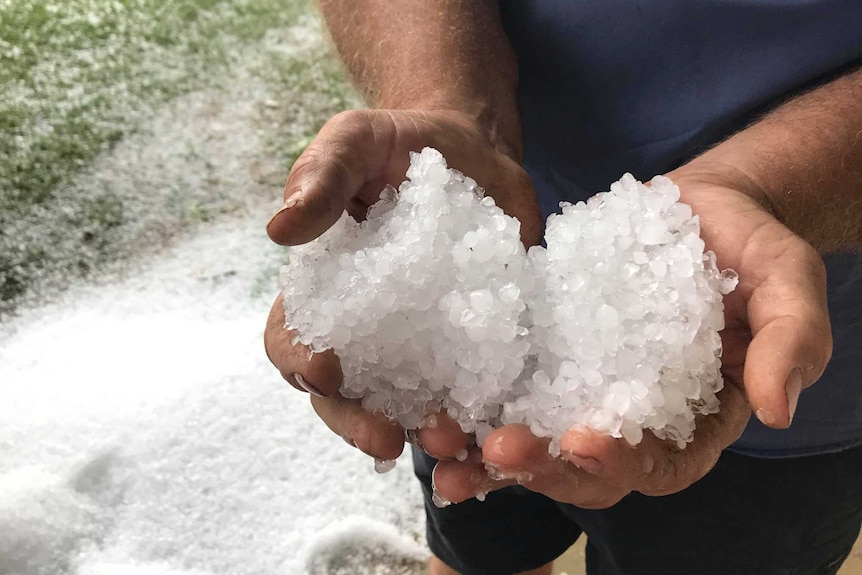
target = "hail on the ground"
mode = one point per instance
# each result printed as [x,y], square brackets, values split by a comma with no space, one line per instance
[254,93]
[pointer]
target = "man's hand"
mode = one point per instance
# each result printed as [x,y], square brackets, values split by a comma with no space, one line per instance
[440,74]
[357,153]
[594,471]
[777,341]
[353,157]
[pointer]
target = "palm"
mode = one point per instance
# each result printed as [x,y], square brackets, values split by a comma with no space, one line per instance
[778,311]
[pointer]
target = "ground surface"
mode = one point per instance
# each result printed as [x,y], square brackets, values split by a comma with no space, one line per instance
[142,430]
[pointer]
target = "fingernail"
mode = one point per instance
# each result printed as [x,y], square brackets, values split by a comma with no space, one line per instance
[494,448]
[579,434]
[589,464]
[411,436]
[765,416]
[275,215]
[497,473]
[494,472]
[794,388]
[288,203]
[300,381]
[581,431]
[438,500]
[292,200]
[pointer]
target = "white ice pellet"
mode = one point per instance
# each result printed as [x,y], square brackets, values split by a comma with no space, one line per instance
[432,304]
[384,465]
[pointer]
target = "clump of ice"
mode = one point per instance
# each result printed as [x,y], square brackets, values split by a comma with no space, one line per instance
[432,303]
[625,319]
[422,301]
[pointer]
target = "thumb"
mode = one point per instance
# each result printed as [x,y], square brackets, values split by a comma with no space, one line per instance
[792,337]
[517,197]
[343,164]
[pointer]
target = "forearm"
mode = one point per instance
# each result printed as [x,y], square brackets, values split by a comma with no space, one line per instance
[431,54]
[804,161]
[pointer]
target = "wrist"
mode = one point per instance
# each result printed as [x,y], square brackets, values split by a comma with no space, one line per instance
[711,170]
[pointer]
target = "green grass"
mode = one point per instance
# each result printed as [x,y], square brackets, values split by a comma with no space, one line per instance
[78,76]
[73,71]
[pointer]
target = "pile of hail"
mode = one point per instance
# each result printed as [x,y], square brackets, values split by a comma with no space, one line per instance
[433,304]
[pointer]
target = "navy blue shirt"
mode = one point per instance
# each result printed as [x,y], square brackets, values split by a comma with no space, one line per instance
[614,86]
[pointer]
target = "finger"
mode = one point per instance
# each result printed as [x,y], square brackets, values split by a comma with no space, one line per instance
[457,481]
[316,373]
[350,152]
[513,452]
[440,437]
[656,466]
[792,340]
[371,433]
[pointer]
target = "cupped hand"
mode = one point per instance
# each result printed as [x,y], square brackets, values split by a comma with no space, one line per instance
[777,341]
[355,155]
[594,470]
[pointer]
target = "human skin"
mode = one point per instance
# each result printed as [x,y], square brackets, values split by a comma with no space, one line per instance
[763,196]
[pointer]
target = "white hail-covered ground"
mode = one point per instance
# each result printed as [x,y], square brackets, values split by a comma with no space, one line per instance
[142,429]
[144,432]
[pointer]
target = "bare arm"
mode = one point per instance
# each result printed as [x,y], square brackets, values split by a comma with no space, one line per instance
[431,55]
[803,161]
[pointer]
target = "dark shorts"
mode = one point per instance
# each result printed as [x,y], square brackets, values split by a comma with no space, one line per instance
[748,516]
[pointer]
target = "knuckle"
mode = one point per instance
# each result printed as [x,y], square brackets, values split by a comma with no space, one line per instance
[817,268]
[644,470]
[671,471]
[349,119]
[306,164]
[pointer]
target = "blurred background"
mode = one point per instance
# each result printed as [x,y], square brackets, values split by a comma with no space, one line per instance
[143,146]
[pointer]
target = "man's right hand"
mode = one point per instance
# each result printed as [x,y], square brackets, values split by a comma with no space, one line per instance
[355,155]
